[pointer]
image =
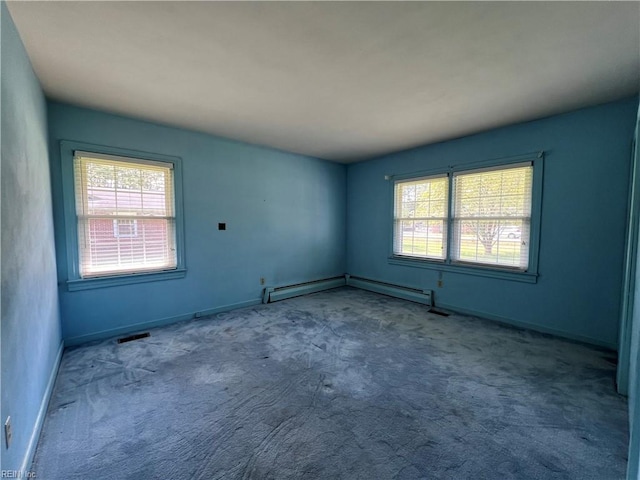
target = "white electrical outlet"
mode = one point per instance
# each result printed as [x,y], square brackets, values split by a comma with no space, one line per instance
[7,431]
[262,280]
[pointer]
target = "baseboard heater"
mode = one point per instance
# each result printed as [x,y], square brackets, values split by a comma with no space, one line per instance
[273,294]
[412,294]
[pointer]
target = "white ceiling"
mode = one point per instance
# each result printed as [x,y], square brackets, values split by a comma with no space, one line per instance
[341,81]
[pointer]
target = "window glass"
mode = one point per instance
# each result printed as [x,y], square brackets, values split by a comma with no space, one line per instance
[489,222]
[492,216]
[126,215]
[420,217]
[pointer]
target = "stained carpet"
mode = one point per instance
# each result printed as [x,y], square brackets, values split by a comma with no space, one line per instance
[343,384]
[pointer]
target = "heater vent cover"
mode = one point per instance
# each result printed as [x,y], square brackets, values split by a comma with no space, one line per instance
[131,338]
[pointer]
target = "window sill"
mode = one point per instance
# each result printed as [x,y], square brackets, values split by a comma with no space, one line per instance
[114,281]
[516,276]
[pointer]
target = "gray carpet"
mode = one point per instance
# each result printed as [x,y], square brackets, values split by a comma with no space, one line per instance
[340,384]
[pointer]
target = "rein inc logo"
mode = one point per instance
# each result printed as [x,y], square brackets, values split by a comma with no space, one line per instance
[17,474]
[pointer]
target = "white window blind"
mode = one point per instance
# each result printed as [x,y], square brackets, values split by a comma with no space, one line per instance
[420,218]
[492,216]
[126,215]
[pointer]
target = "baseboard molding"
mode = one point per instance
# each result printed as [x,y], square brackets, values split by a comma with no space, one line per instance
[273,294]
[226,308]
[406,293]
[115,332]
[401,292]
[42,412]
[528,326]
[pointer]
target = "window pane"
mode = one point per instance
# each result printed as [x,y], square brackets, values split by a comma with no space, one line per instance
[438,208]
[120,188]
[492,215]
[109,246]
[421,209]
[492,242]
[126,219]
[420,217]
[505,192]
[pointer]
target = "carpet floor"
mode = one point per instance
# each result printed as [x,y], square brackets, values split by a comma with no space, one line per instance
[343,384]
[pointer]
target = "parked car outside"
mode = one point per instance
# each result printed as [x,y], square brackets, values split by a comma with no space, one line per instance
[510,232]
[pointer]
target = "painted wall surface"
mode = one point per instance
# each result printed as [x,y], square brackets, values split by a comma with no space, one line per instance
[584,213]
[634,362]
[285,219]
[30,314]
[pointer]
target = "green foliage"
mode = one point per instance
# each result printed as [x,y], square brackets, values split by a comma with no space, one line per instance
[424,198]
[432,246]
[100,175]
[484,202]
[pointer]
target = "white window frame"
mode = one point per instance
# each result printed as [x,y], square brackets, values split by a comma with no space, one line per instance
[529,274]
[399,220]
[457,221]
[75,281]
[116,228]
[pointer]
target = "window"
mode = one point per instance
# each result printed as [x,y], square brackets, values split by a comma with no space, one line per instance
[126,215]
[492,216]
[420,222]
[469,218]
[123,216]
[125,228]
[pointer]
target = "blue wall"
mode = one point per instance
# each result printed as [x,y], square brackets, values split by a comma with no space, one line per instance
[584,214]
[30,314]
[634,357]
[285,218]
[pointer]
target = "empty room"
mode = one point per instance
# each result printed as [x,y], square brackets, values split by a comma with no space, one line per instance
[320,240]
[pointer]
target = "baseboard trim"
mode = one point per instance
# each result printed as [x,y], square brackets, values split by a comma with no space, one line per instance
[406,293]
[42,412]
[226,308]
[273,294]
[529,326]
[114,332]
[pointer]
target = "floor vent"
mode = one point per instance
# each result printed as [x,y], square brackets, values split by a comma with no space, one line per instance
[131,338]
[412,294]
